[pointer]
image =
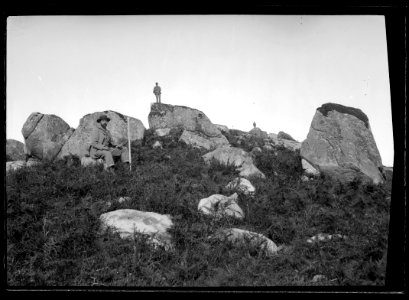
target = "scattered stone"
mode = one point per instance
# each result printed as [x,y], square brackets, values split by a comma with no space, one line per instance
[321,237]
[341,144]
[87,161]
[15,150]
[124,199]
[219,206]
[162,131]
[241,185]
[240,237]
[308,168]
[268,147]
[319,277]
[304,178]
[157,145]
[236,157]
[129,221]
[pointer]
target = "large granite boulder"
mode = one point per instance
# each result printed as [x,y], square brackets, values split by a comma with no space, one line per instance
[45,135]
[14,150]
[128,222]
[340,143]
[79,142]
[199,130]
[284,136]
[259,133]
[237,157]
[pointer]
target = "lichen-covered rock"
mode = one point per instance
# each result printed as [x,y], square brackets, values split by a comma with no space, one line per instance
[240,238]
[128,222]
[241,185]
[45,135]
[308,168]
[340,143]
[171,116]
[220,206]
[258,133]
[237,157]
[79,142]
[285,136]
[15,150]
[197,139]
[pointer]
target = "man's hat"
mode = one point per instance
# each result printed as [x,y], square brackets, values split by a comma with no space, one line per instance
[103,117]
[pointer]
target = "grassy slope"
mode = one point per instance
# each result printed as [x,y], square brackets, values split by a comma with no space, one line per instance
[53,211]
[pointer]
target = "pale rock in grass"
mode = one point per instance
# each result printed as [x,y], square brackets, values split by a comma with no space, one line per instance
[157,145]
[123,199]
[87,161]
[15,165]
[308,168]
[219,206]
[322,237]
[128,222]
[268,147]
[237,157]
[318,278]
[241,185]
[162,131]
[240,238]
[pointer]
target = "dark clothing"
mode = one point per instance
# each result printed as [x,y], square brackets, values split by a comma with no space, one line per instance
[102,147]
[157,92]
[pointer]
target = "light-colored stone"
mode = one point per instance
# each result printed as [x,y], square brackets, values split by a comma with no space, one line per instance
[124,199]
[199,140]
[342,145]
[240,237]
[45,135]
[236,157]
[268,147]
[321,237]
[157,145]
[318,278]
[241,185]
[222,128]
[15,150]
[308,168]
[220,206]
[128,222]
[79,143]
[162,131]
[87,161]
[15,165]
[258,133]
[174,116]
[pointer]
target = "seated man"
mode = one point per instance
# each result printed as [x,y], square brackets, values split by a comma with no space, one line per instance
[102,147]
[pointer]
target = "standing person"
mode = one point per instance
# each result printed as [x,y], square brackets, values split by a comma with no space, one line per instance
[102,146]
[254,124]
[157,92]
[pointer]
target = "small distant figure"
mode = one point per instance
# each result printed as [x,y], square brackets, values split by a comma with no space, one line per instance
[254,124]
[157,92]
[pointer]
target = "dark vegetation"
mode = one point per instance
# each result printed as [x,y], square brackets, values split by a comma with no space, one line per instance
[53,211]
[327,107]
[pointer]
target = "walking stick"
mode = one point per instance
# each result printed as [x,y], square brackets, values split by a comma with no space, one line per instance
[129,146]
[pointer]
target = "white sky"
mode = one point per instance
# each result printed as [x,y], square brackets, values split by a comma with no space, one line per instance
[274,70]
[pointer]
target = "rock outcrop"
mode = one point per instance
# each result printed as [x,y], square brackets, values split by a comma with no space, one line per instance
[14,150]
[219,206]
[79,142]
[45,135]
[199,130]
[285,136]
[259,133]
[340,143]
[236,157]
[128,222]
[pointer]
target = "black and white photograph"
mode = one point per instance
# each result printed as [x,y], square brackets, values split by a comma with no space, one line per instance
[199,151]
